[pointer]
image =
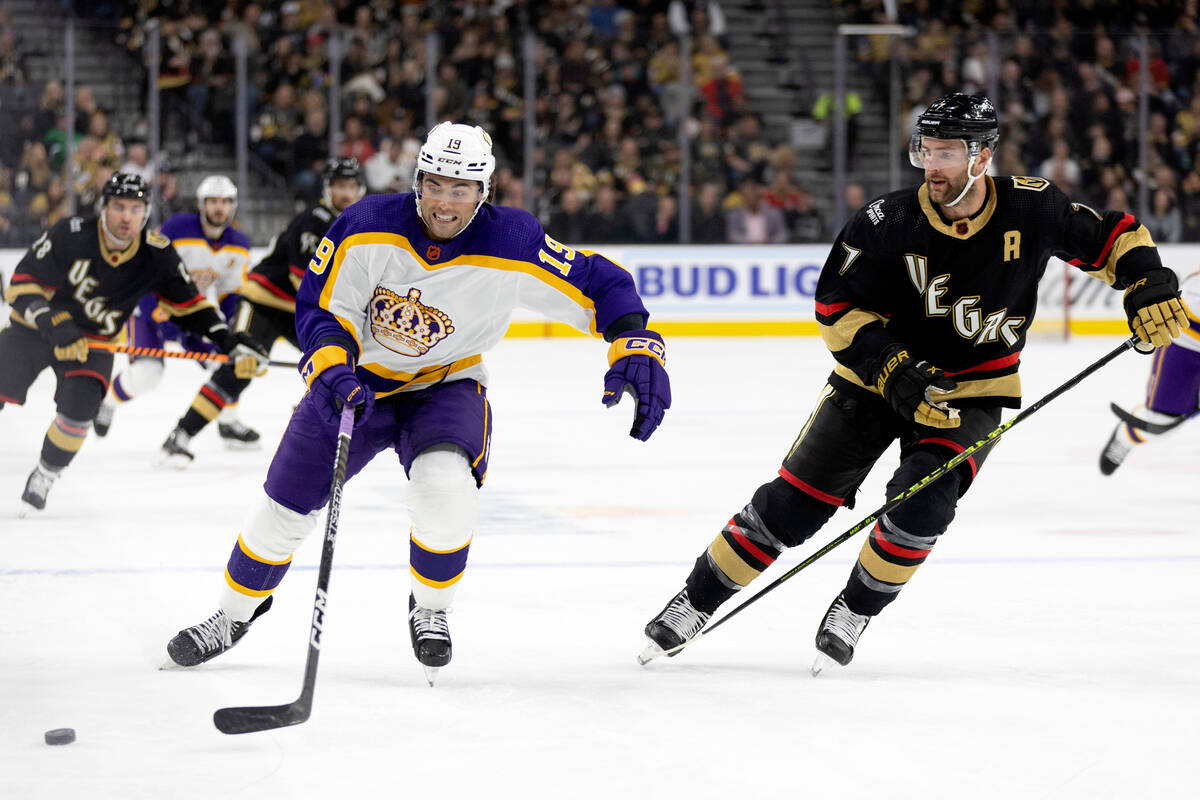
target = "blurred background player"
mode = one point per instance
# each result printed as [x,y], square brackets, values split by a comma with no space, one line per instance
[403,296]
[216,255]
[1172,393]
[79,282]
[924,302]
[266,309]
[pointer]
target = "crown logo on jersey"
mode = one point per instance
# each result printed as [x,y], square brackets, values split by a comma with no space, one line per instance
[405,325]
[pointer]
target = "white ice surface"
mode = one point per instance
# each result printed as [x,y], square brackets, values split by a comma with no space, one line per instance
[1049,649]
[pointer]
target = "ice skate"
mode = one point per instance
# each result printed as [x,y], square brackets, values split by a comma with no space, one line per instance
[430,638]
[36,488]
[679,622]
[104,418]
[174,452]
[238,436]
[206,641]
[1115,451]
[838,635]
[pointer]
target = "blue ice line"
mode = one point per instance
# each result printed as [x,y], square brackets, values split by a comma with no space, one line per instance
[967,561]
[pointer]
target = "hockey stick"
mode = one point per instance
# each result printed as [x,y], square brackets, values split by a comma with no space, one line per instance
[907,493]
[247,719]
[192,355]
[1143,425]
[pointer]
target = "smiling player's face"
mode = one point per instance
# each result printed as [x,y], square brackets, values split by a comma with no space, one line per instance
[447,205]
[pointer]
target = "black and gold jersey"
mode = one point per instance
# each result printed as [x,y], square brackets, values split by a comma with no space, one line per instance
[961,294]
[274,280]
[71,267]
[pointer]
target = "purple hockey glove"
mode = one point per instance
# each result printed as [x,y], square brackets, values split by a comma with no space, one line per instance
[332,382]
[638,366]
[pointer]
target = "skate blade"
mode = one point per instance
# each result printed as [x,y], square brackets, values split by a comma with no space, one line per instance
[431,674]
[238,444]
[174,461]
[651,652]
[821,663]
[27,510]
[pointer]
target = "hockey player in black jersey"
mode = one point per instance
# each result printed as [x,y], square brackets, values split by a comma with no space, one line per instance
[924,301]
[266,309]
[78,284]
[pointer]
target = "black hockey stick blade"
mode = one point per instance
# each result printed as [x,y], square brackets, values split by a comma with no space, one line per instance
[249,719]
[1143,425]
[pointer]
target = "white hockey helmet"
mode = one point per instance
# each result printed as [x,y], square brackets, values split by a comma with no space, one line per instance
[454,150]
[216,186]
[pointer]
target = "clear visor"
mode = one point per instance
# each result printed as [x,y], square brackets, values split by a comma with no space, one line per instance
[928,153]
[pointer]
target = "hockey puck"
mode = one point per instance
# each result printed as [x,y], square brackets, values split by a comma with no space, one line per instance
[60,736]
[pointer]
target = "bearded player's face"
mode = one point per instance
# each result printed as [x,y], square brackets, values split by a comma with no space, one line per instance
[945,162]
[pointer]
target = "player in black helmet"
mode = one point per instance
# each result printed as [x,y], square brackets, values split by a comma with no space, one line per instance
[78,284]
[924,301]
[266,309]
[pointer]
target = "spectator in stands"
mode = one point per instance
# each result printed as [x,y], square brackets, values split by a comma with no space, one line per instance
[391,169]
[138,161]
[1061,168]
[171,200]
[274,128]
[211,91]
[1165,222]
[51,106]
[666,220]
[10,215]
[745,153]
[808,226]
[1190,205]
[753,221]
[569,221]
[609,223]
[724,96]
[310,151]
[707,217]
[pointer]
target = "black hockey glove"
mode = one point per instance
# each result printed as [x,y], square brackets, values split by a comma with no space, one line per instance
[248,359]
[64,335]
[1155,311]
[910,387]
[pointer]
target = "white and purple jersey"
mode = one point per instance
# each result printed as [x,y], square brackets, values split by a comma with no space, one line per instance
[1190,291]
[413,312]
[217,267]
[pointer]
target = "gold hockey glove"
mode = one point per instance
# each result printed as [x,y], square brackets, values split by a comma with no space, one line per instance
[1155,311]
[64,336]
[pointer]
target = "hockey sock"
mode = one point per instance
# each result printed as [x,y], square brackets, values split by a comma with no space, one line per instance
[888,559]
[435,572]
[63,439]
[222,389]
[738,555]
[252,578]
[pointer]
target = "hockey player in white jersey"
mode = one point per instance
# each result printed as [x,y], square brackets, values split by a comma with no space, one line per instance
[404,295]
[1172,392]
[217,256]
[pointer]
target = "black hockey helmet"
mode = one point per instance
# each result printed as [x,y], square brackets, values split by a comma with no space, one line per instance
[344,167]
[125,184]
[961,116]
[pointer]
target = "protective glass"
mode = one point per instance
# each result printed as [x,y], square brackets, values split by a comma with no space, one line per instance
[937,153]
